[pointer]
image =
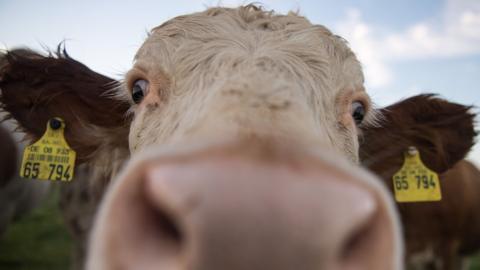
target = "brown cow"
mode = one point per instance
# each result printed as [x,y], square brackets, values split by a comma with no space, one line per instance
[243,128]
[17,196]
[22,71]
[436,233]
[8,156]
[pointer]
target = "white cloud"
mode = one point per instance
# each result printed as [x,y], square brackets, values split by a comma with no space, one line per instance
[359,35]
[456,33]
[469,24]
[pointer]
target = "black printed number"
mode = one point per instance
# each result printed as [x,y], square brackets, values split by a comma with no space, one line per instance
[400,182]
[425,182]
[31,170]
[58,172]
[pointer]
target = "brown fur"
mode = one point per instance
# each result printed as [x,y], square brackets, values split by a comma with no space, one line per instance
[36,88]
[18,196]
[466,172]
[449,228]
[8,157]
[444,133]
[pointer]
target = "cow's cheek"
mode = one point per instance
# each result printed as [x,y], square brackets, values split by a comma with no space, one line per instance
[349,135]
[138,136]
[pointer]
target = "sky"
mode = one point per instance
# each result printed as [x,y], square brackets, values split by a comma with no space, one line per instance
[406,47]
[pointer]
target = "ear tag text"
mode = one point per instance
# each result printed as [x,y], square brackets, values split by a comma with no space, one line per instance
[49,158]
[414,182]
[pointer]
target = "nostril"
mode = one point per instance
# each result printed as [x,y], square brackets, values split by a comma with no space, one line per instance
[138,231]
[368,246]
[165,224]
[357,243]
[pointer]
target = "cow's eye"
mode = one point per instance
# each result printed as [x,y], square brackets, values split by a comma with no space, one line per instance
[358,112]
[139,90]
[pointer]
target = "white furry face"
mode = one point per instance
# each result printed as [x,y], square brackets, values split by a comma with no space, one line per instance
[229,73]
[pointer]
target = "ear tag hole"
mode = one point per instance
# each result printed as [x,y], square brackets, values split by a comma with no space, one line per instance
[49,158]
[55,123]
[415,182]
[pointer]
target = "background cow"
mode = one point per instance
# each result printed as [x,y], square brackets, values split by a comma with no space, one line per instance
[436,233]
[27,73]
[249,118]
[17,195]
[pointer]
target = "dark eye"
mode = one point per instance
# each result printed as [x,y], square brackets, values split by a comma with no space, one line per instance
[139,90]
[358,112]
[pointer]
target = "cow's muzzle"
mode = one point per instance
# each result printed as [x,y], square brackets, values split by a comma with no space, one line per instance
[220,210]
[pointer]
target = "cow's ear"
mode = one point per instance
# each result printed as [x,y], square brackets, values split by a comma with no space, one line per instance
[442,131]
[35,88]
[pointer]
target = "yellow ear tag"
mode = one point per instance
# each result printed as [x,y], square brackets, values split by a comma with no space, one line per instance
[414,182]
[50,158]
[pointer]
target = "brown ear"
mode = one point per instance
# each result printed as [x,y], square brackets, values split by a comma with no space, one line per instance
[35,88]
[442,131]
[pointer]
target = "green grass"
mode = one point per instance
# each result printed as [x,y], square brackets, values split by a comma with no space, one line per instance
[475,265]
[41,241]
[38,240]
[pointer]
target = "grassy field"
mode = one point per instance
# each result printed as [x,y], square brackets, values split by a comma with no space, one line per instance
[37,241]
[475,264]
[40,241]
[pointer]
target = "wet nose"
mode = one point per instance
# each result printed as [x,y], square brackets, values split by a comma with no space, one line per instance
[234,213]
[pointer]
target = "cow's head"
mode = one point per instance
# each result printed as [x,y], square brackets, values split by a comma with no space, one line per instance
[243,126]
[230,74]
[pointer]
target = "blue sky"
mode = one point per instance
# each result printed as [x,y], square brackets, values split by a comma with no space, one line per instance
[406,47]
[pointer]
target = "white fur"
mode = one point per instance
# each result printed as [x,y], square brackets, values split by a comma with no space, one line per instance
[229,75]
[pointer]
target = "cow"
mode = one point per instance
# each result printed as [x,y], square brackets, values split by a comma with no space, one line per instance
[231,144]
[437,233]
[17,196]
[23,69]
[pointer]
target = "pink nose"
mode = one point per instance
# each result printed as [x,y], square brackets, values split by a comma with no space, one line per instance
[231,212]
